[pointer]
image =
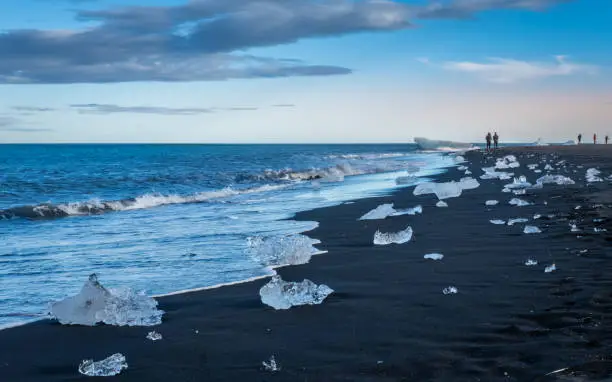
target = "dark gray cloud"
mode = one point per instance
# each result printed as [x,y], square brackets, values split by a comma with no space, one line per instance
[204,40]
[94,108]
[284,105]
[32,109]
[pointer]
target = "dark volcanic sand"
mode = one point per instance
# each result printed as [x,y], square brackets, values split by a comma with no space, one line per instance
[389,320]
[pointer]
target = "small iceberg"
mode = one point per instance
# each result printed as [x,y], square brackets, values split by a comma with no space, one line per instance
[450,290]
[491,202]
[434,256]
[94,304]
[498,222]
[592,175]
[531,262]
[280,294]
[529,229]
[106,368]
[154,336]
[271,365]
[282,250]
[519,202]
[550,268]
[400,237]
[441,204]
[380,212]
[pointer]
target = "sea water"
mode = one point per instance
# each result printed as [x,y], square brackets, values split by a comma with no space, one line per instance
[162,218]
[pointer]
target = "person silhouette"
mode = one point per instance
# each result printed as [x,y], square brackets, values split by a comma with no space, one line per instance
[495,140]
[594,139]
[579,138]
[607,139]
[488,139]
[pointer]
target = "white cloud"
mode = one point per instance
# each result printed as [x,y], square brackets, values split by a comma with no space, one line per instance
[502,70]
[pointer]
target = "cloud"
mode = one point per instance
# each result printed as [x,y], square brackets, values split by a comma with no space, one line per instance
[11,124]
[465,9]
[94,108]
[31,109]
[284,105]
[503,70]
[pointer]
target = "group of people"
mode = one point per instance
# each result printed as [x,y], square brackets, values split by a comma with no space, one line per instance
[594,139]
[494,138]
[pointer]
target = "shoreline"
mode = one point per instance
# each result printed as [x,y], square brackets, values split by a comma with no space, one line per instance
[388,305]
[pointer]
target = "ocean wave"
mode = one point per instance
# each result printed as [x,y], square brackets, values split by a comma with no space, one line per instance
[97,207]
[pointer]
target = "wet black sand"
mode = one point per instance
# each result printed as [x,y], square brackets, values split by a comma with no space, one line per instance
[389,320]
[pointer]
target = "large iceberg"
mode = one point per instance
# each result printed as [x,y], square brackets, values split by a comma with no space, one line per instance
[379,212]
[282,250]
[95,304]
[108,367]
[280,294]
[400,237]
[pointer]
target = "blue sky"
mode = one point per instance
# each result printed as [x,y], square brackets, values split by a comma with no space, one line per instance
[303,70]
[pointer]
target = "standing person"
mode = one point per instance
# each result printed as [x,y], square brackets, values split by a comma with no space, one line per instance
[496,140]
[594,139]
[580,138]
[607,139]
[488,139]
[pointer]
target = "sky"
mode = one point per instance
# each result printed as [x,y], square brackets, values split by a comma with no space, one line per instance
[303,71]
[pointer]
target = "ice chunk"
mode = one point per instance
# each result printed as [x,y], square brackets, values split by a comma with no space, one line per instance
[531,229]
[154,336]
[556,179]
[490,173]
[459,159]
[379,212]
[441,190]
[462,168]
[536,216]
[95,304]
[531,262]
[468,172]
[468,183]
[441,204]
[450,290]
[518,183]
[592,175]
[519,192]
[106,368]
[517,221]
[599,229]
[271,365]
[409,211]
[509,161]
[400,237]
[519,202]
[548,168]
[506,190]
[498,221]
[280,294]
[573,228]
[434,256]
[491,202]
[532,166]
[282,250]
[537,171]
[550,268]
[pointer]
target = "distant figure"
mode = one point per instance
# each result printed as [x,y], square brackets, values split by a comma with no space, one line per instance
[579,138]
[607,139]
[488,139]
[496,140]
[594,139]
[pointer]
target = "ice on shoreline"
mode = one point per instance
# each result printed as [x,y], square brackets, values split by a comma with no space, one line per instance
[271,365]
[531,262]
[441,204]
[282,250]
[555,179]
[519,202]
[592,175]
[498,221]
[491,202]
[95,304]
[154,336]
[108,367]
[400,237]
[281,294]
[434,256]
[450,290]
[380,212]
[517,220]
[530,229]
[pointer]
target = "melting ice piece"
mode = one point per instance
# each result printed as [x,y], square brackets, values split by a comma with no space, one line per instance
[462,168]
[537,171]
[519,202]
[532,166]
[459,159]
[490,173]
[599,229]
[450,290]
[441,204]
[518,183]
[491,203]
[548,167]
[531,229]
[154,336]
[573,228]
[531,262]
[468,172]
[271,365]
[280,294]
[550,268]
[434,256]
[498,221]
[519,192]
[106,368]
[517,220]
[536,216]
[556,179]
[509,161]
[400,237]
[442,190]
[592,175]
[409,211]
[379,212]
[468,183]
[282,250]
[506,190]
[119,307]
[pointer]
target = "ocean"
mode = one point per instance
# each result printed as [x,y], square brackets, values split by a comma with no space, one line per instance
[165,218]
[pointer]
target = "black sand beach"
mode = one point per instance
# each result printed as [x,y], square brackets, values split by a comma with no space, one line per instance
[388,319]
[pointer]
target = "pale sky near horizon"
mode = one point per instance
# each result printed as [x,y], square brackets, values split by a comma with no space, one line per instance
[303,71]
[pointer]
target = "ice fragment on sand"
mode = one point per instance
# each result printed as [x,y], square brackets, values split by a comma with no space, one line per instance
[509,161]
[532,166]
[518,183]
[592,175]
[573,228]
[441,204]
[468,183]
[434,256]
[106,368]
[517,220]
[548,167]
[282,250]
[556,179]
[537,171]
[459,159]
[450,290]
[536,216]
[379,212]
[441,190]
[271,365]
[519,202]
[519,192]
[531,262]
[393,237]
[280,294]
[409,211]
[490,173]
[550,268]
[94,303]
[154,336]
[599,229]
[468,172]
[531,229]
[498,221]
[462,168]
[491,202]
